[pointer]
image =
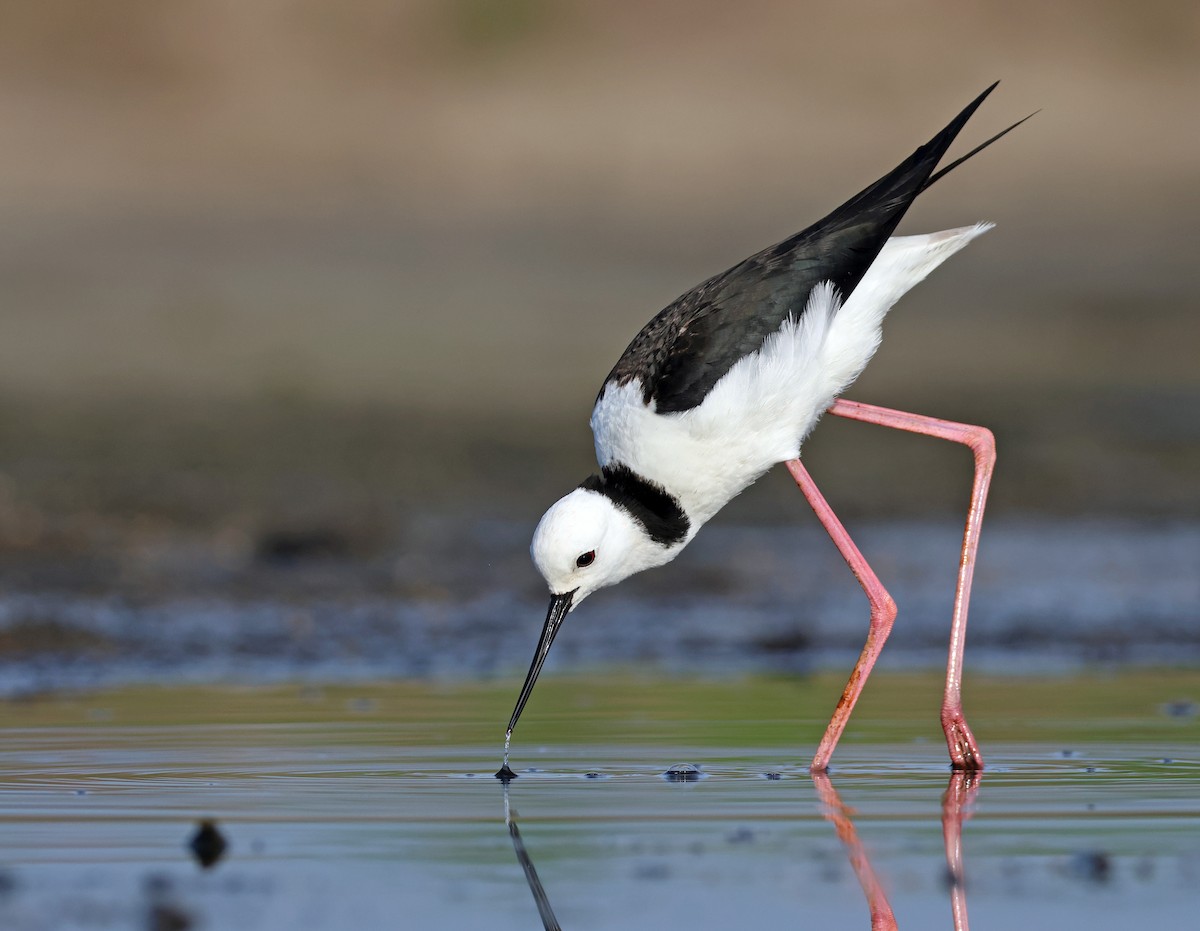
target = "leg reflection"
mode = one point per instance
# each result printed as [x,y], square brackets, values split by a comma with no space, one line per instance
[836,812]
[957,802]
[535,885]
[956,809]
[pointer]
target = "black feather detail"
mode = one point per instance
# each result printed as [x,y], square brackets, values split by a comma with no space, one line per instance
[685,350]
[651,505]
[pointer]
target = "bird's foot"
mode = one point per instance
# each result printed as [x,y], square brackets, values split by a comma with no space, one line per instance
[964,751]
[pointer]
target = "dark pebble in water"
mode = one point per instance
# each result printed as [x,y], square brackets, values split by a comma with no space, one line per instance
[741,836]
[1166,759]
[505,774]
[207,844]
[1092,866]
[683,772]
[772,775]
[1068,754]
[81,791]
[593,775]
[1089,769]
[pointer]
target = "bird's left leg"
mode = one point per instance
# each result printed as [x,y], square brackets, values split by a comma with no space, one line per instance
[964,751]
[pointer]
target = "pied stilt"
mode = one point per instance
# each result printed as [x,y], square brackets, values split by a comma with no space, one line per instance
[728,380]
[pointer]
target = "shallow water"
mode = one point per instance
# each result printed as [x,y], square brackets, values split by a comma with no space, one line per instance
[376,807]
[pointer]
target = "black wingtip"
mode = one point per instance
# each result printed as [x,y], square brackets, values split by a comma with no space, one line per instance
[974,104]
[942,140]
[505,775]
[891,195]
[941,172]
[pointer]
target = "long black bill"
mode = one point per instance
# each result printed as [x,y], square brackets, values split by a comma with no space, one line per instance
[559,606]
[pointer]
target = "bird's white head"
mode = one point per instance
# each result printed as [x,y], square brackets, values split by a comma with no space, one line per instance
[584,542]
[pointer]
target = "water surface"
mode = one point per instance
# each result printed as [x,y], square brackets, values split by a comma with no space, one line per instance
[374,806]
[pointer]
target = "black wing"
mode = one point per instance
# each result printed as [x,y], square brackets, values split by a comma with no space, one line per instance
[683,352]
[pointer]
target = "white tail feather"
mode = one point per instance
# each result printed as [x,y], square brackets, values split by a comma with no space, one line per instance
[903,262]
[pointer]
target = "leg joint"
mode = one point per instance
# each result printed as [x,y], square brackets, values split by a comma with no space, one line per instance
[883,611]
[982,442]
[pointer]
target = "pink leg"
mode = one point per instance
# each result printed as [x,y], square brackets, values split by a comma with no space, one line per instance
[883,613]
[964,750]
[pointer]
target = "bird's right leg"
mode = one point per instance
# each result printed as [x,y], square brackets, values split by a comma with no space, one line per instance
[883,612]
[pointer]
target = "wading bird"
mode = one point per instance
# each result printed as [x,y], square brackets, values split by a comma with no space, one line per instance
[727,381]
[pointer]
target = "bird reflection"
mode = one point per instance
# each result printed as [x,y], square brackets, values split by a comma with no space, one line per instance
[957,802]
[535,884]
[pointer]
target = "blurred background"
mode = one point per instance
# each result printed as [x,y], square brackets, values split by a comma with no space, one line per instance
[304,304]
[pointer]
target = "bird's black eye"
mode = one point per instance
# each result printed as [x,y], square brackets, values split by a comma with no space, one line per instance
[586,559]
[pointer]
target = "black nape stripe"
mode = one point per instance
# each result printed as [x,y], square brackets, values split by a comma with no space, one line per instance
[650,505]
